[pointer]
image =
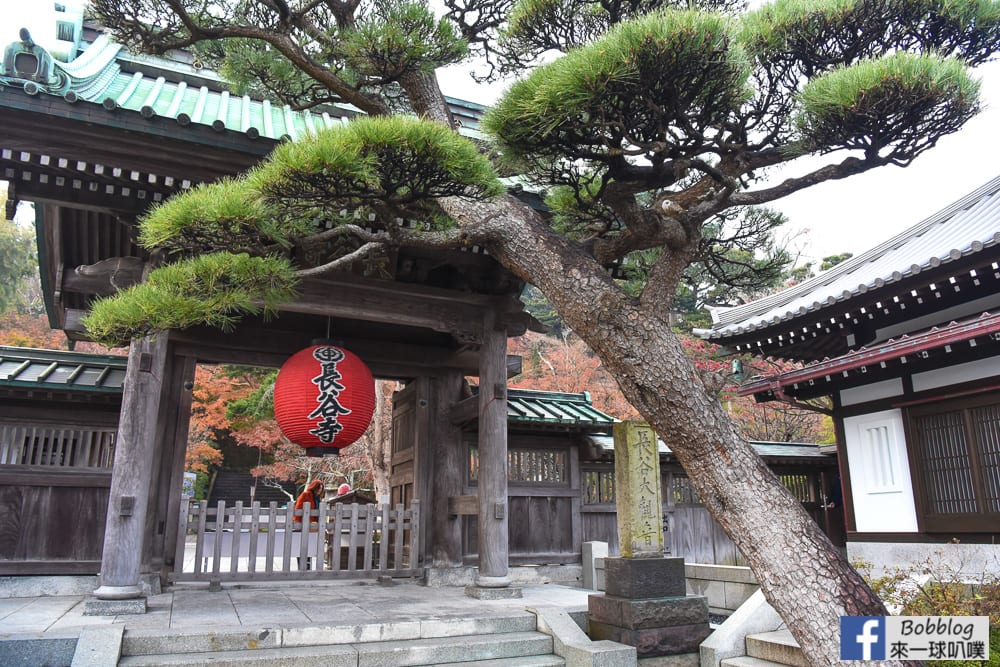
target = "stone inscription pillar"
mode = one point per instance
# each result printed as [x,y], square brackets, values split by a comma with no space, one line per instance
[637,489]
[645,604]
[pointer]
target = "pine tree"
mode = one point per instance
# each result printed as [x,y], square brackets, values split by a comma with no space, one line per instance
[656,119]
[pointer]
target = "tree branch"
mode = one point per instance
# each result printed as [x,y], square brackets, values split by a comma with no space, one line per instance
[849,167]
[426,97]
[344,260]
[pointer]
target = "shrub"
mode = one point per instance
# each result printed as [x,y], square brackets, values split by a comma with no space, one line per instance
[935,588]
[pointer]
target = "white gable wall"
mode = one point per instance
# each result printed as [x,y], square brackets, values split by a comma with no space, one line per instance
[871,392]
[880,473]
[943,377]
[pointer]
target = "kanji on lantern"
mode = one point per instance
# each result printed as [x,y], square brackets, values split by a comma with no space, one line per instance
[324,399]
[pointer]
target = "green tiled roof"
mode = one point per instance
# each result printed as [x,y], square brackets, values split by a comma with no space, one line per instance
[65,371]
[554,408]
[108,75]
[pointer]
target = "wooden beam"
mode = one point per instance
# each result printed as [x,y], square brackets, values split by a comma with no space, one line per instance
[49,567]
[83,197]
[392,303]
[463,505]
[142,412]
[105,277]
[465,411]
[90,133]
[494,547]
[49,476]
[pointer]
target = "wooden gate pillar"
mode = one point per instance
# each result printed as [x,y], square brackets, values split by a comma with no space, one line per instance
[447,473]
[492,478]
[175,419]
[135,453]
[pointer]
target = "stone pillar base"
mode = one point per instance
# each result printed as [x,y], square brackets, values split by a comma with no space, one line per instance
[654,626]
[118,592]
[486,581]
[98,607]
[636,578]
[481,593]
[646,607]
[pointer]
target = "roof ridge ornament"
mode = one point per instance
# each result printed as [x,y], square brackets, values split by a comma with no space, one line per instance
[27,64]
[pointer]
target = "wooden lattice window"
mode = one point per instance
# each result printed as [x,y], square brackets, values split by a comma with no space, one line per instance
[598,487]
[682,492]
[957,454]
[801,486]
[528,466]
[69,447]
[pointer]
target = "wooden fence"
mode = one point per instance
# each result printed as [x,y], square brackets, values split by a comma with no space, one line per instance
[54,487]
[262,543]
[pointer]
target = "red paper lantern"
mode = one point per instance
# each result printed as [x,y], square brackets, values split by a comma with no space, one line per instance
[324,399]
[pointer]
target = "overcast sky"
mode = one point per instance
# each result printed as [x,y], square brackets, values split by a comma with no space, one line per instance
[857,213]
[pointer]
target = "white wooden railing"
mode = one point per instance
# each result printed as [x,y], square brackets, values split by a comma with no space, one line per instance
[259,543]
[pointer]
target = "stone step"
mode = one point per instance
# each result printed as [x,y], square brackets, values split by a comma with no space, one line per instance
[139,642]
[432,651]
[778,646]
[747,661]
[303,656]
[453,649]
[523,661]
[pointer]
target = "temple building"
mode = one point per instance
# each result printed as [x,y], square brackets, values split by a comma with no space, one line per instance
[903,339]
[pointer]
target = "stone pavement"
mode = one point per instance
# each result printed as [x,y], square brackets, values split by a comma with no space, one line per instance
[186,608]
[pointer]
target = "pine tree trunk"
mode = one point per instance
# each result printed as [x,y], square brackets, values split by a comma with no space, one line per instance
[801,573]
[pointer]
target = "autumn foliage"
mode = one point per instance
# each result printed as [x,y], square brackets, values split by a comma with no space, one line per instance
[567,364]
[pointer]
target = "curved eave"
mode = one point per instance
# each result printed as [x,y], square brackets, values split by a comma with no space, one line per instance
[984,328]
[967,227]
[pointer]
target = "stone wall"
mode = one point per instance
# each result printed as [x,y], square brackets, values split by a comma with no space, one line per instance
[725,586]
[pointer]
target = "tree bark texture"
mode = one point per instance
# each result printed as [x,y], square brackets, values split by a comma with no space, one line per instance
[802,574]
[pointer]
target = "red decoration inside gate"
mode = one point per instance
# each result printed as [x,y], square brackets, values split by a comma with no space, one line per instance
[324,399]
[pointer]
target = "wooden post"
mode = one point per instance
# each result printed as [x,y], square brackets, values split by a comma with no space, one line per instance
[443,539]
[133,470]
[177,419]
[492,479]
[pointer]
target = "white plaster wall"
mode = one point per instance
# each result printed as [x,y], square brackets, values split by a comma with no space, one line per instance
[969,561]
[871,392]
[972,370]
[880,473]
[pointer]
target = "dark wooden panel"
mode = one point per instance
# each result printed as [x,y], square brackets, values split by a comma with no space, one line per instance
[51,567]
[601,526]
[52,523]
[725,551]
[463,505]
[53,476]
